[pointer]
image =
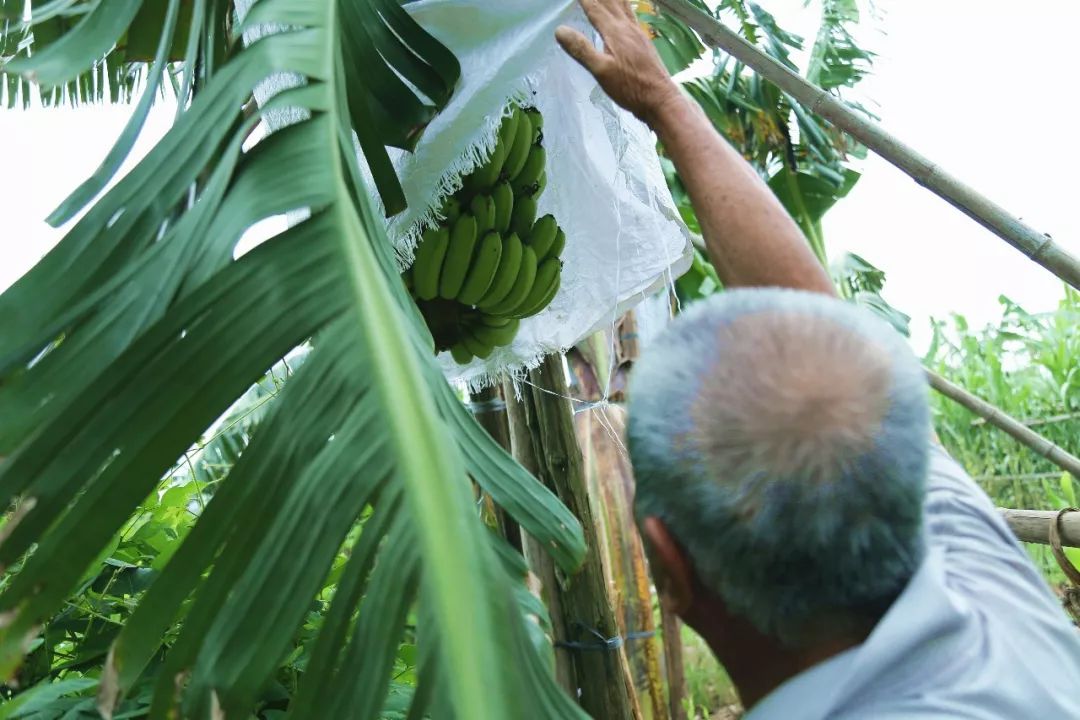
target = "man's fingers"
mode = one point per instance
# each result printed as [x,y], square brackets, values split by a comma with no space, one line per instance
[624,7]
[609,9]
[598,12]
[580,48]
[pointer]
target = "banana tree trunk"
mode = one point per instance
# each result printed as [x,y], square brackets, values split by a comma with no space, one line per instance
[599,366]
[589,647]
[1038,246]
[610,482]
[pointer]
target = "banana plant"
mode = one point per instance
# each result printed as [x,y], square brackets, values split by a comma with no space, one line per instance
[140,329]
[811,170]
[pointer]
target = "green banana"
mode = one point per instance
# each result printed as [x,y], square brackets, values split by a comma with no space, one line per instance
[451,209]
[492,321]
[547,275]
[508,131]
[503,198]
[526,182]
[506,274]
[488,174]
[537,121]
[495,336]
[542,235]
[541,185]
[544,302]
[460,354]
[475,346]
[483,209]
[482,272]
[519,151]
[558,245]
[458,256]
[524,215]
[523,285]
[429,261]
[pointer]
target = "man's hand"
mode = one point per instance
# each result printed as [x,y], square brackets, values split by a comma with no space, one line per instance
[750,237]
[629,68]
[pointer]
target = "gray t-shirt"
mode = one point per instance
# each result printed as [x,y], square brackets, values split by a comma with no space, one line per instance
[976,634]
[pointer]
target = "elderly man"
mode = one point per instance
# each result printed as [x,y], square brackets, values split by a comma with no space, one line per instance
[797,514]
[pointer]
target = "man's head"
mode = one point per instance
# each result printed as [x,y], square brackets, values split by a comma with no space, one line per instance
[779,442]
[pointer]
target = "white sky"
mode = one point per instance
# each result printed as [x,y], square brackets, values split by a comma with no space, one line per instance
[983,88]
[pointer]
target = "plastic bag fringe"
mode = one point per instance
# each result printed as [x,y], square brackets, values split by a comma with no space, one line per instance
[478,150]
[517,372]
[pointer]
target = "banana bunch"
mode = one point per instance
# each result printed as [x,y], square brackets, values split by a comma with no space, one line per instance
[491,262]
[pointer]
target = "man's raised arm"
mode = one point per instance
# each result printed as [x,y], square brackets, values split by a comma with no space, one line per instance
[751,239]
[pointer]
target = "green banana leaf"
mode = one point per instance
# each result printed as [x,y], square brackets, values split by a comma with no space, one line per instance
[139,330]
[676,44]
[77,52]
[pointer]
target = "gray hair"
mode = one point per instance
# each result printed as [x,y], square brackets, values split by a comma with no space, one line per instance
[782,436]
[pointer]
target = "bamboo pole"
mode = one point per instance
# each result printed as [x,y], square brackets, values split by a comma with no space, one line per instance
[1033,422]
[998,418]
[1033,526]
[1018,477]
[1040,247]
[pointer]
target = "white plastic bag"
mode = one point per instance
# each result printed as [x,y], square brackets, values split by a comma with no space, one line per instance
[605,186]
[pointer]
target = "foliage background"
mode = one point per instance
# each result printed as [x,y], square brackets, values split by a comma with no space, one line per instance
[1029,366]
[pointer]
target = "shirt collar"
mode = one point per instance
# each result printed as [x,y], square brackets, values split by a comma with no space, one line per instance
[810,694]
[923,610]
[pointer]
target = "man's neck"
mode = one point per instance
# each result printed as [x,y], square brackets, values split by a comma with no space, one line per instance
[758,664]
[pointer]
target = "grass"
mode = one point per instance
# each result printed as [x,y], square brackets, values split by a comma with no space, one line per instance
[1029,366]
[709,691]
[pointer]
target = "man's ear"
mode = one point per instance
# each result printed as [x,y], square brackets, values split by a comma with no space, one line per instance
[671,568]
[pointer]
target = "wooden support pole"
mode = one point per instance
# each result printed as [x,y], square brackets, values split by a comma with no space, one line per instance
[540,563]
[1033,526]
[1040,247]
[673,663]
[998,418]
[489,410]
[543,422]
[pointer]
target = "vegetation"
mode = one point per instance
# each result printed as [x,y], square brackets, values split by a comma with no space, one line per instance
[352,499]
[807,162]
[1029,366]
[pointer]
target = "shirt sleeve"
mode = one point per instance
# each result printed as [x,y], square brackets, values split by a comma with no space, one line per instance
[984,561]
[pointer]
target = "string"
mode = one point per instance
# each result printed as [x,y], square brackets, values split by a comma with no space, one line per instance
[605,422]
[495,404]
[605,644]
